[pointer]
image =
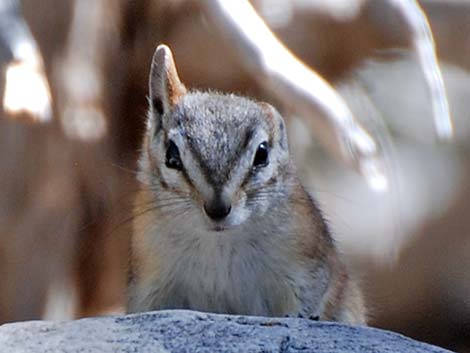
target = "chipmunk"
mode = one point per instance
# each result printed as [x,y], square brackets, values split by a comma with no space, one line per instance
[223,223]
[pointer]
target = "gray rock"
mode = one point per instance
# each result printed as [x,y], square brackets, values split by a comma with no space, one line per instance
[188,331]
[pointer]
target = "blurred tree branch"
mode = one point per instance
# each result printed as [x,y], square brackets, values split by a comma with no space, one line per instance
[424,46]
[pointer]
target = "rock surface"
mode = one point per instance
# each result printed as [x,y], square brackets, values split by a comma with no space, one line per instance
[187,331]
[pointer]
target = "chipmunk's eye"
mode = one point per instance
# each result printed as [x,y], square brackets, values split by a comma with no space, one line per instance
[173,159]
[261,156]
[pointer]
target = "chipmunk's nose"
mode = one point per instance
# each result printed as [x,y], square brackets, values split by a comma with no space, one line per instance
[218,209]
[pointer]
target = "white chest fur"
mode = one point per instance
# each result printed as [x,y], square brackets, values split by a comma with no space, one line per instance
[226,272]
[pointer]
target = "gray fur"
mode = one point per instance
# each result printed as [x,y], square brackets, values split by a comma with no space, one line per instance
[250,268]
[271,255]
[218,128]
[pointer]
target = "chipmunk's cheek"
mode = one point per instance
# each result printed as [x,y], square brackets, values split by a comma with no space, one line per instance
[239,215]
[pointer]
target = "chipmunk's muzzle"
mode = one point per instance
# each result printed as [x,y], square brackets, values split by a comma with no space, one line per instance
[224,211]
[218,209]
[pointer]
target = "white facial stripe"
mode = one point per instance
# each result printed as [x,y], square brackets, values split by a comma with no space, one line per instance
[238,215]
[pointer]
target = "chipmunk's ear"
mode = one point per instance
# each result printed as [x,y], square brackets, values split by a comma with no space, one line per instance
[165,87]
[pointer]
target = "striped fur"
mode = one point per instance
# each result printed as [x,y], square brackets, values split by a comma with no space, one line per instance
[272,255]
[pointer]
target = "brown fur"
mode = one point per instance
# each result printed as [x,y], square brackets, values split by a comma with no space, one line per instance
[280,245]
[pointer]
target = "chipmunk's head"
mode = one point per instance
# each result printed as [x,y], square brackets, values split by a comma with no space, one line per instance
[220,158]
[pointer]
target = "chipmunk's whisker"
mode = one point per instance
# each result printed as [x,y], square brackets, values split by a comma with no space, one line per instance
[125,169]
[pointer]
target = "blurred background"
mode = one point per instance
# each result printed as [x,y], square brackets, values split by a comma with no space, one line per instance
[73,86]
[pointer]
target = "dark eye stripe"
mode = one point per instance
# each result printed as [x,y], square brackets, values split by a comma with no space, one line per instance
[173,161]
[252,171]
[164,184]
[248,137]
[247,177]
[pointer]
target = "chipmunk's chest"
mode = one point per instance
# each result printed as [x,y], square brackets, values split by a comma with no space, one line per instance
[236,276]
